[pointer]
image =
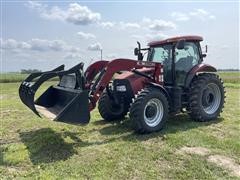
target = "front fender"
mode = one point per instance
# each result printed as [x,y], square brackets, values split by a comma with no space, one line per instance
[161,88]
[198,69]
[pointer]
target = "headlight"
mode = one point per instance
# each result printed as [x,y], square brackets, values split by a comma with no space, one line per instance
[121,88]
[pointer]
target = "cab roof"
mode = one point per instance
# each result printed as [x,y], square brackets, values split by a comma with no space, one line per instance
[175,39]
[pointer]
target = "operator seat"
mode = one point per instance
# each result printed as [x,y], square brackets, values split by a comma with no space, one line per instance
[182,66]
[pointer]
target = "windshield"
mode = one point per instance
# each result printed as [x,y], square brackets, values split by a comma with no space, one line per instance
[160,54]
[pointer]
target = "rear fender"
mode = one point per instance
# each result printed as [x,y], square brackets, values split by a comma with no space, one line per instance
[198,69]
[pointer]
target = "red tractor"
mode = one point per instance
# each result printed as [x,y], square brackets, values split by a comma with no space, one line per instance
[172,79]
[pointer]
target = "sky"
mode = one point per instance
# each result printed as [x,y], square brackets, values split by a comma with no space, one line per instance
[44,34]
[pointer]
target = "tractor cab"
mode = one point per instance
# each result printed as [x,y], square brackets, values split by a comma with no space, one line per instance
[178,56]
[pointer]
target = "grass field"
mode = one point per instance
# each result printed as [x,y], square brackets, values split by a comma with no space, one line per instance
[227,76]
[31,147]
[12,77]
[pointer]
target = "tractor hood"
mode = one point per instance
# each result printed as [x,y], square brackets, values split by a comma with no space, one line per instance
[128,74]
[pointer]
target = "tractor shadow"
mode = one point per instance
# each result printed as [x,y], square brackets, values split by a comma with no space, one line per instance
[46,146]
[177,123]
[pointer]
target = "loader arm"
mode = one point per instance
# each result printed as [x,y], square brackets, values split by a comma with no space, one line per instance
[115,66]
[94,69]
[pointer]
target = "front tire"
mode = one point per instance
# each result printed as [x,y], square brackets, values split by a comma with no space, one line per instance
[149,111]
[207,96]
[109,110]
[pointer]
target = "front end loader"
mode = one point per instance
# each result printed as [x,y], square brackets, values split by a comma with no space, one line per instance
[173,79]
[77,92]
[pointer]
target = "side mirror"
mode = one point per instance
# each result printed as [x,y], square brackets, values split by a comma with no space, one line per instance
[180,44]
[206,48]
[136,51]
[140,56]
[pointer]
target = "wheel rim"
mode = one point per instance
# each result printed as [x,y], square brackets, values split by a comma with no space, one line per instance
[211,98]
[153,112]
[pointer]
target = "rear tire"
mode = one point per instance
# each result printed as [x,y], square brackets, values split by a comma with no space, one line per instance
[110,111]
[206,99]
[149,111]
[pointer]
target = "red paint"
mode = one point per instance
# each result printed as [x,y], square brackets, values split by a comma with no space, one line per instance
[117,65]
[202,68]
[137,82]
[175,39]
[93,69]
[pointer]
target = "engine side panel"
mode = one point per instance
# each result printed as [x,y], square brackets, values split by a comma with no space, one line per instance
[135,81]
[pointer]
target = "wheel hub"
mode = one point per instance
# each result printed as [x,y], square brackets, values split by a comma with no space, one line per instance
[153,112]
[211,98]
[208,97]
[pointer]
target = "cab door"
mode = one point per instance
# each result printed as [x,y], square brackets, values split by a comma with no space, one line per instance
[163,55]
[185,59]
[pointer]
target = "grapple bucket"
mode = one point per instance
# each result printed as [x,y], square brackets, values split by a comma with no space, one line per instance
[66,102]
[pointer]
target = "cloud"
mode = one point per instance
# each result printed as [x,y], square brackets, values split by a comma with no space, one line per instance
[95,47]
[73,56]
[86,35]
[81,15]
[178,16]
[107,24]
[110,56]
[13,44]
[150,37]
[122,25]
[75,13]
[45,45]
[157,24]
[201,14]
[156,37]
[36,5]
[55,13]
[126,25]
[197,13]
[73,49]
[161,25]
[37,45]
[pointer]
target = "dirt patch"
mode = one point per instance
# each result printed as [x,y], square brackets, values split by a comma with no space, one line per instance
[194,150]
[221,161]
[226,163]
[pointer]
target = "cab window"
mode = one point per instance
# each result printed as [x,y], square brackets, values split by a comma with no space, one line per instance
[163,55]
[185,59]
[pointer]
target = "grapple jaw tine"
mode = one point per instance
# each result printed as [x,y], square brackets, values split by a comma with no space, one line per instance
[26,95]
[67,102]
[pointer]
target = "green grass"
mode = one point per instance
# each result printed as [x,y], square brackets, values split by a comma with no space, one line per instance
[12,77]
[35,148]
[230,76]
[227,76]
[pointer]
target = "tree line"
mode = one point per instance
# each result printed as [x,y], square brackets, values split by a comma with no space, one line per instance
[29,71]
